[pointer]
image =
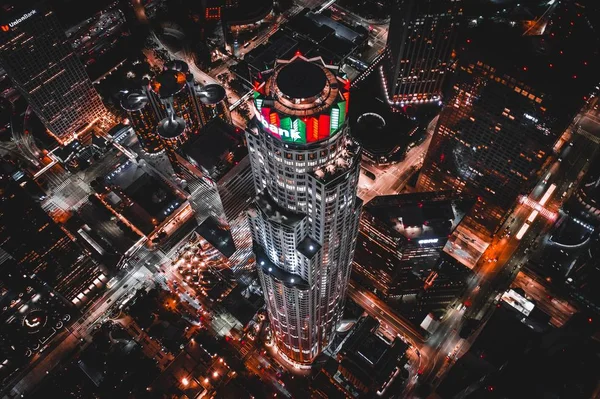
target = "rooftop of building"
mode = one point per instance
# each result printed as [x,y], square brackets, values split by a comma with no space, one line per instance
[385,133]
[171,127]
[134,100]
[301,79]
[421,216]
[217,149]
[217,235]
[246,12]
[325,31]
[311,37]
[153,198]
[211,93]
[368,356]
[168,83]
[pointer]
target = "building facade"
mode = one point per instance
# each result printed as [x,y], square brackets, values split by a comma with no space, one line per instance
[491,140]
[40,61]
[419,49]
[402,237]
[305,218]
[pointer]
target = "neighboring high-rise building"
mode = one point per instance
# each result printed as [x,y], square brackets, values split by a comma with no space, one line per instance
[169,109]
[39,59]
[41,248]
[177,99]
[305,219]
[222,185]
[419,46]
[511,101]
[401,238]
[143,119]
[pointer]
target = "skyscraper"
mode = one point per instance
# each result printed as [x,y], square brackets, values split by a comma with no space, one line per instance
[419,46]
[512,99]
[144,120]
[168,109]
[39,59]
[304,221]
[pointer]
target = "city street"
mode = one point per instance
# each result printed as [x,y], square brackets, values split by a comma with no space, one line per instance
[507,255]
[391,179]
[64,344]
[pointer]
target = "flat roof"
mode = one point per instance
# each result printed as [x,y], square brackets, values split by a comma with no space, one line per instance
[171,127]
[134,100]
[420,215]
[340,30]
[301,79]
[168,83]
[217,149]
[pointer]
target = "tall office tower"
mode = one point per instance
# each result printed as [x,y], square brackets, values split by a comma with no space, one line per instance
[214,103]
[419,48]
[305,218]
[513,97]
[41,248]
[144,120]
[222,185]
[37,56]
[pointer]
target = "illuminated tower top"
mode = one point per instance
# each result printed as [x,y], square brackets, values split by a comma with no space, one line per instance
[302,100]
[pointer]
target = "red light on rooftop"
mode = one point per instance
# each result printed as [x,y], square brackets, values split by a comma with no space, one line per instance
[574,76]
[298,53]
[468,40]
[525,68]
[590,320]
[551,65]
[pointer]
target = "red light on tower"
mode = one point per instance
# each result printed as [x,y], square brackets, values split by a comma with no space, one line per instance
[324,128]
[298,53]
